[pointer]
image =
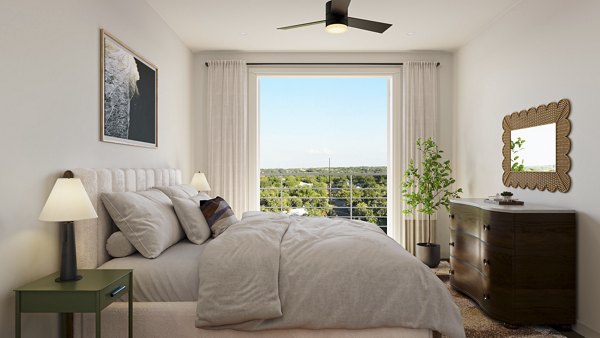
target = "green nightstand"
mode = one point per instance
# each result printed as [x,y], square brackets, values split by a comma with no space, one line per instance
[95,291]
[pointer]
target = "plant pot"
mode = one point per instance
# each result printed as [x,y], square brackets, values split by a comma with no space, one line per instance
[429,253]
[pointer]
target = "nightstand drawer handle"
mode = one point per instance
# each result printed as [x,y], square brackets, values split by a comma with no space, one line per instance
[118,290]
[486,227]
[451,243]
[486,261]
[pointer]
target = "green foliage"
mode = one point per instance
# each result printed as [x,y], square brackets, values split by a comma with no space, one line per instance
[515,147]
[506,193]
[425,190]
[361,191]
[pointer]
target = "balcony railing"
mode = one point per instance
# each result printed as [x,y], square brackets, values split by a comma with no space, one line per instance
[360,196]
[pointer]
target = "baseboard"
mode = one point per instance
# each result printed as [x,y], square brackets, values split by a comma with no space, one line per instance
[585,330]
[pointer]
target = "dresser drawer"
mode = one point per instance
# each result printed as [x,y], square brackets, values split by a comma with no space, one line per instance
[465,218]
[498,301]
[494,299]
[465,248]
[497,264]
[466,279]
[498,228]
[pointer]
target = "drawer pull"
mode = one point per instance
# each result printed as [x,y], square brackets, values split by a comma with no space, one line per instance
[451,272]
[451,243]
[451,216]
[486,262]
[118,290]
[486,227]
[486,296]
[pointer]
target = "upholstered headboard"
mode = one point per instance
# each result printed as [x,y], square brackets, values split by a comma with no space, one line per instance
[91,235]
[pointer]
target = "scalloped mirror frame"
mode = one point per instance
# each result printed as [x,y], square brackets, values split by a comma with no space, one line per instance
[545,114]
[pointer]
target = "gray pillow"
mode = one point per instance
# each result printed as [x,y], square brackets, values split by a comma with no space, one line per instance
[146,218]
[118,246]
[191,218]
[201,196]
[181,190]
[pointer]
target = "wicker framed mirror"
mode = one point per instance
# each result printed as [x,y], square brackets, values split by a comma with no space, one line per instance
[536,147]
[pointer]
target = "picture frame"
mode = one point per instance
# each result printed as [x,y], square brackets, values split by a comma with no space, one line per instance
[128,95]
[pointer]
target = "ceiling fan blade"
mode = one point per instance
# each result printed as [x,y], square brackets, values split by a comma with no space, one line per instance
[373,26]
[340,7]
[303,25]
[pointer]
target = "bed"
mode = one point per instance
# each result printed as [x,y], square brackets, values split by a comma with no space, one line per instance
[166,304]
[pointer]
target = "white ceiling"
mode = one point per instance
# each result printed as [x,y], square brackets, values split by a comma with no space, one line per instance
[250,25]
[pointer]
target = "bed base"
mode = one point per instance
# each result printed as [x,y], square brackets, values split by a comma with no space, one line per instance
[176,319]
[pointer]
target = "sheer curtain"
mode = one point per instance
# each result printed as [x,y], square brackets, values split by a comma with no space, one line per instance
[227,147]
[419,120]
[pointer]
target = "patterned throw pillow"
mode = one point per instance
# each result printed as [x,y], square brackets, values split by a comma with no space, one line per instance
[218,214]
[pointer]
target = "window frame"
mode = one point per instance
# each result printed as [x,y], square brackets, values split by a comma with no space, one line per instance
[394,127]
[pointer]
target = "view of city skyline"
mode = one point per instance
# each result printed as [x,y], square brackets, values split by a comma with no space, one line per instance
[305,121]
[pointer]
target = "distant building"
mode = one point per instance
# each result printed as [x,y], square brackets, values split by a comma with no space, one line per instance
[304,184]
[297,212]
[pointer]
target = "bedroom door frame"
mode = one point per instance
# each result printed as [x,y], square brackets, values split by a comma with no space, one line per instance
[394,127]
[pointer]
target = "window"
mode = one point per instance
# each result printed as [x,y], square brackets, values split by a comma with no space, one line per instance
[323,141]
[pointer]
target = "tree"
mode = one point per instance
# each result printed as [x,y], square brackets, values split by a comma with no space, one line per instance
[515,147]
[309,188]
[425,190]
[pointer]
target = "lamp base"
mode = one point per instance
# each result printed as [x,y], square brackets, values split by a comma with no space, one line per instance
[58,280]
[68,256]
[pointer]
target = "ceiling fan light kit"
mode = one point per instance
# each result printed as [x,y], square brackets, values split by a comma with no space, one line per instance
[337,20]
[335,23]
[336,28]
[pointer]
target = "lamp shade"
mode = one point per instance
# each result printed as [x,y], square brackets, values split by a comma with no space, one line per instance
[67,202]
[200,183]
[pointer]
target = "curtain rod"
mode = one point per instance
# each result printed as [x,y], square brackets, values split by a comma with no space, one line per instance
[324,64]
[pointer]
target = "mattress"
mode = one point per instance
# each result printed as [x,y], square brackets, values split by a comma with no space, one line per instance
[171,277]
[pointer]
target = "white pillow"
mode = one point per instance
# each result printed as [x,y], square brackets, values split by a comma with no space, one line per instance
[118,246]
[191,218]
[180,190]
[147,219]
[201,196]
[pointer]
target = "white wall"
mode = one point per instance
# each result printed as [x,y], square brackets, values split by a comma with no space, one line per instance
[49,103]
[541,51]
[445,104]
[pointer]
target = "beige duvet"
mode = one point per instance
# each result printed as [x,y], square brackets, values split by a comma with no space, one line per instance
[273,271]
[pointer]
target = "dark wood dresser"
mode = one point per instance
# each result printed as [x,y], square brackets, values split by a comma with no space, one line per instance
[517,262]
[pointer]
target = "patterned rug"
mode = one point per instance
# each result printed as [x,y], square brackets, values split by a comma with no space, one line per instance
[478,325]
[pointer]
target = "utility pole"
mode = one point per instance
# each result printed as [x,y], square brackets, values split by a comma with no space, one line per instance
[329,179]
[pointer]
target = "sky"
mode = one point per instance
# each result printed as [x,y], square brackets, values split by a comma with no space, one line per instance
[304,121]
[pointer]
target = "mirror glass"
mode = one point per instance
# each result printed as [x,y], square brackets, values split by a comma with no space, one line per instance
[533,149]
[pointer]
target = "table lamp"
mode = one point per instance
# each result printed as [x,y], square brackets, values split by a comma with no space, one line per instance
[68,202]
[199,182]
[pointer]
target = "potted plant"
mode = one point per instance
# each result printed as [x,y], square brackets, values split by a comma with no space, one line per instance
[425,190]
[506,195]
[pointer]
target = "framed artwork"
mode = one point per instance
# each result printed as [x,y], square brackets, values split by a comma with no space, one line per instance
[129,95]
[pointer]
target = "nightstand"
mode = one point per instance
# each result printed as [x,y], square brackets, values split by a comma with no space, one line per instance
[96,290]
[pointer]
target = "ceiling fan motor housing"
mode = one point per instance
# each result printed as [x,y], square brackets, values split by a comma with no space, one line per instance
[333,18]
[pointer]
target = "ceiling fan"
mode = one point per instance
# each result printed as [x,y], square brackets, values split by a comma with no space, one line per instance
[338,21]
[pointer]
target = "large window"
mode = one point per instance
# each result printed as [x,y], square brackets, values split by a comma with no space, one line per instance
[324,146]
